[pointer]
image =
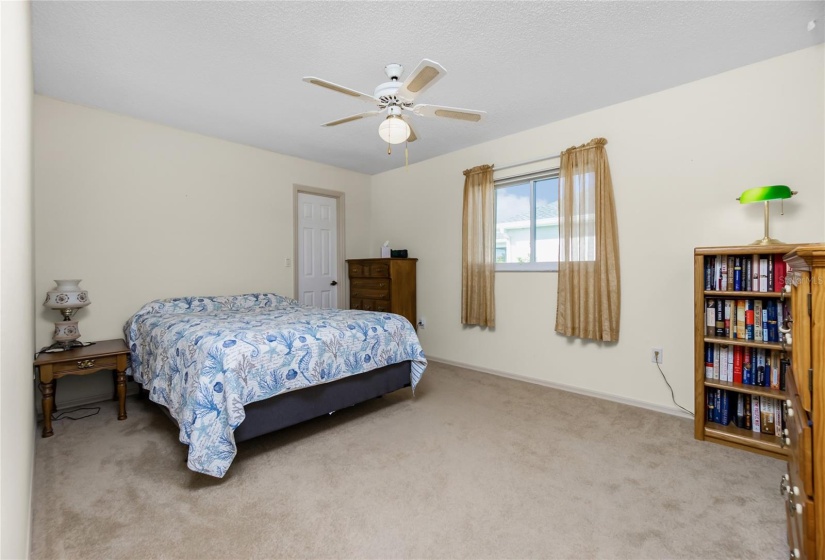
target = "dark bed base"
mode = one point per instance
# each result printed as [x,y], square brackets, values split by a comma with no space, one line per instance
[286,409]
[291,408]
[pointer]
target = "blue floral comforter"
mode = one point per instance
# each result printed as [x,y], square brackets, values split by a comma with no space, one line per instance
[204,358]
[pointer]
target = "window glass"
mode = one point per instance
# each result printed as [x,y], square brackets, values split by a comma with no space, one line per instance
[513,223]
[527,223]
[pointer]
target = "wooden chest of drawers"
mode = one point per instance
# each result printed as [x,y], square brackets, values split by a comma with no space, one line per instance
[804,433]
[383,285]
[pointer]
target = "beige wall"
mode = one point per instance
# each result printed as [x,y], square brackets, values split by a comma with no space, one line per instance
[679,158]
[17,424]
[141,211]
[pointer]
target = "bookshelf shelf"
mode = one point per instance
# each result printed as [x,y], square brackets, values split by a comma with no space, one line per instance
[739,387]
[749,343]
[764,444]
[748,389]
[744,295]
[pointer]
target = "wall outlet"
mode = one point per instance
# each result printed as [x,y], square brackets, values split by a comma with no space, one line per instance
[657,355]
[422,324]
[287,262]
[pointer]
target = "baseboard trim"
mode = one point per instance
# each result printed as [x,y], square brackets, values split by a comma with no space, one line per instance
[568,388]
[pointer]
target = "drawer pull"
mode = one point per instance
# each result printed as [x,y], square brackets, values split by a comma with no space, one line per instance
[85,364]
[795,553]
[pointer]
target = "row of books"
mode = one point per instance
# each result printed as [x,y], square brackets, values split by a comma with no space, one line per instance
[749,412]
[745,319]
[747,366]
[745,273]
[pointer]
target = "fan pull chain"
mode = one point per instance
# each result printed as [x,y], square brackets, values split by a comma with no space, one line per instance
[389,148]
[406,155]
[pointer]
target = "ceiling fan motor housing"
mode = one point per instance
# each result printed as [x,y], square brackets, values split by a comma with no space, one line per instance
[387,89]
[393,71]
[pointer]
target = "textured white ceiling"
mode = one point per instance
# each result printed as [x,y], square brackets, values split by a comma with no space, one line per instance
[233,69]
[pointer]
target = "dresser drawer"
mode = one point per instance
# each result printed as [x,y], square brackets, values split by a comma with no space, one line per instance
[369,304]
[376,290]
[798,437]
[365,269]
[801,517]
[84,366]
[370,283]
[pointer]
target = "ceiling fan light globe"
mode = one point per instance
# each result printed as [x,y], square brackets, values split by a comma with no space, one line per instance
[394,130]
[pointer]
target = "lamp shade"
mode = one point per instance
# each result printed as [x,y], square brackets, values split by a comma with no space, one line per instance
[761,194]
[67,295]
[394,130]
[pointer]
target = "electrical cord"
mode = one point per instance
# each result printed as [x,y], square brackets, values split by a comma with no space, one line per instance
[56,349]
[672,396]
[64,414]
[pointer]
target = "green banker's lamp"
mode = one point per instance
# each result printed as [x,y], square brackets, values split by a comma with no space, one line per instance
[766,194]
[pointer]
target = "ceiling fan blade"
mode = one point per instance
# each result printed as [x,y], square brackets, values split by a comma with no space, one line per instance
[340,89]
[425,75]
[413,136]
[448,112]
[352,118]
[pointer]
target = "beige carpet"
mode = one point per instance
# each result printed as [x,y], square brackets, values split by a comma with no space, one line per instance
[474,466]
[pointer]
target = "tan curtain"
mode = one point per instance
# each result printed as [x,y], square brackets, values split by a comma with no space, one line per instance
[589,296]
[478,266]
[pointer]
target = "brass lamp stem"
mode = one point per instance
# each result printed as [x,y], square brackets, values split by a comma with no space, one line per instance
[67,314]
[767,240]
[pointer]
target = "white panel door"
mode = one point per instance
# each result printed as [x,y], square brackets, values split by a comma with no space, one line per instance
[318,250]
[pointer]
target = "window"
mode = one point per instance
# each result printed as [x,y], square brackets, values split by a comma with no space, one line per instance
[527,222]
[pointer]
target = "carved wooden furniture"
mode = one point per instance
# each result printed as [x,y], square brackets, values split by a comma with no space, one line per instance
[383,285]
[804,435]
[105,355]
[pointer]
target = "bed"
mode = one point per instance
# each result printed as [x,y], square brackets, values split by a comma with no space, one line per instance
[231,368]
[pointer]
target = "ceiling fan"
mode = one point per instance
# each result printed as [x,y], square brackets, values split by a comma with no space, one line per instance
[397,98]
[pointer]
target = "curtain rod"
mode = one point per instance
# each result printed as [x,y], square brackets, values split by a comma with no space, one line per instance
[519,164]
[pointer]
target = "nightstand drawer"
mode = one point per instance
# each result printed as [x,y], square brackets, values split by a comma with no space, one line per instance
[86,365]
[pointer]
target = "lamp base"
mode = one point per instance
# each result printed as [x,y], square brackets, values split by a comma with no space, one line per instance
[768,241]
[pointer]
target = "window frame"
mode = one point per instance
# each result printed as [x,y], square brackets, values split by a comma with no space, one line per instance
[533,178]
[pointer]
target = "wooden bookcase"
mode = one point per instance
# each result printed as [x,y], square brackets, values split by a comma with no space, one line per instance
[731,435]
[804,483]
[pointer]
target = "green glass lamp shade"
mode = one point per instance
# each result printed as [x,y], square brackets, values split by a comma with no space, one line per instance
[766,194]
[761,194]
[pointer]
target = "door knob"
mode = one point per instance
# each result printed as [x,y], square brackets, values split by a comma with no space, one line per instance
[333,283]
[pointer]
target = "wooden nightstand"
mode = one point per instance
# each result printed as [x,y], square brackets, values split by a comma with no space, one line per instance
[107,354]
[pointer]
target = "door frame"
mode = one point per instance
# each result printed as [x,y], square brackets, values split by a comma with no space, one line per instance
[341,242]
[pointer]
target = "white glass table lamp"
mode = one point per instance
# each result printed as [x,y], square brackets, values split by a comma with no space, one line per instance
[67,297]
